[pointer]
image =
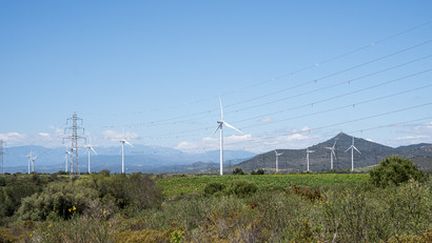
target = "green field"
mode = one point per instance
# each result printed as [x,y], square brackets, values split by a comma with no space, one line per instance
[177,185]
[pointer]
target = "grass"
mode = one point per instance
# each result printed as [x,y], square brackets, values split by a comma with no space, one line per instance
[179,185]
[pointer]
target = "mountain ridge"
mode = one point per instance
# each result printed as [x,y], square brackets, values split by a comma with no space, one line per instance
[294,160]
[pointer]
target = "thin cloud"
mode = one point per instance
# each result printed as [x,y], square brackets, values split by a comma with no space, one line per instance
[12,137]
[115,135]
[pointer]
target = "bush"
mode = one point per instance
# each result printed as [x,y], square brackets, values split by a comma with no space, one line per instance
[57,200]
[238,171]
[214,187]
[307,192]
[242,188]
[136,191]
[394,171]
[258,172]
[146,235]
[84,230]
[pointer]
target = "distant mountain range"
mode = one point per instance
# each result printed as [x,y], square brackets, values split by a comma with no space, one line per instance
[371,154]
[153,159]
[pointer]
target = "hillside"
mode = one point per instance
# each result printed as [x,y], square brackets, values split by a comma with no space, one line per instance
[371,154]
[142,158]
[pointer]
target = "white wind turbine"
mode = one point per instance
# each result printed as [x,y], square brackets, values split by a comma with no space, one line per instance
[31,162]
[67,156]
[332,154]
[277,160]
[307,158]
[123,141]
[221,124]
[352,148]
[90,149]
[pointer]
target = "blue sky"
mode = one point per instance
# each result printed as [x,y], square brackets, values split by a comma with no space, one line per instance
[124,64]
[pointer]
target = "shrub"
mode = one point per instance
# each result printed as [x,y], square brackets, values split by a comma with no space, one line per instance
[258,172]
[6,236]
[242,188]
[136,191]
[214,187]
[82,229]
[394,171]
[308,193]
[238,171]
[146,235]
[57,200]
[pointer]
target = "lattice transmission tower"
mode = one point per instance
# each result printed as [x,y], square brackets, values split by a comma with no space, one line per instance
[74,133]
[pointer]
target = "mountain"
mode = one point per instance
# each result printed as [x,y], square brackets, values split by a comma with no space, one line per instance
[371,154]
[139,158]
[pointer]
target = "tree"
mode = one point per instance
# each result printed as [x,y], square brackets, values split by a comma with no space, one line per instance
[238,171]
[394,171]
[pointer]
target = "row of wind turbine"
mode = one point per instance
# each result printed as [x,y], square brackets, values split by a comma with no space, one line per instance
[332,150]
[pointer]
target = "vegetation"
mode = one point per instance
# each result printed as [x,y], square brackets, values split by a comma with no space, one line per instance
[238,171]
[267,208]
[258,172]
[394,171]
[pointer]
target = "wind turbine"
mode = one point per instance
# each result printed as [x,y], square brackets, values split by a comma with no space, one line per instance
[67,155]
[277,160]
[31,162]
[221,124]
[123,141]
[90,149]
[307,158]
[352,148]
[332,154]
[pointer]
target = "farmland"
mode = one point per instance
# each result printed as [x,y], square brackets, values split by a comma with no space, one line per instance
[190,184]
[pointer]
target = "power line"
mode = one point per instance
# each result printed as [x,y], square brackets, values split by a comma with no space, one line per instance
[309,104]
[339,56]
[335,74]
[349,81]
[349,105]
[345,122]
[305,83]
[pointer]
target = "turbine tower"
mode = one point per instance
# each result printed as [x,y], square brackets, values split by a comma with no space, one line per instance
[221,124]
[31,162]
[2,143]
[123,142]
[90,149]
[67,156]
[332,154]
[277,160]
[307,158]
[352,148]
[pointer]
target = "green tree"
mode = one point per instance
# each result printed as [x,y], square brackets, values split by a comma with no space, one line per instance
[394,171]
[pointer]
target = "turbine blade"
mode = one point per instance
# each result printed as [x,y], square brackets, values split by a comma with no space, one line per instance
[217,129]
[126,142]
[232,127]
[356,149]
[94,151]
[221,108]
[348,149]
